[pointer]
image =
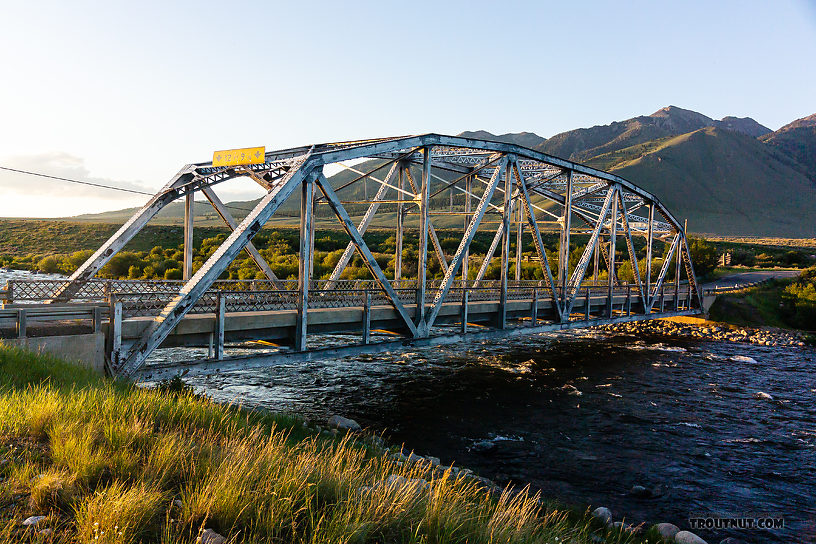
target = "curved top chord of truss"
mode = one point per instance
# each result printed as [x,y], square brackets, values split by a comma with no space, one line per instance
[460,155]
[523,187]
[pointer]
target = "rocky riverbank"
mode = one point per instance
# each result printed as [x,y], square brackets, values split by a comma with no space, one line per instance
[710,330]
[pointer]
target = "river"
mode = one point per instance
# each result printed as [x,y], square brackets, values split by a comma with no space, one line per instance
[584,417]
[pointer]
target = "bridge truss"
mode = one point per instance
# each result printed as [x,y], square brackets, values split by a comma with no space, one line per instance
[502,188]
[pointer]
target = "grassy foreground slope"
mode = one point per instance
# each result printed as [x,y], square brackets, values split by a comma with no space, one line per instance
[107,462]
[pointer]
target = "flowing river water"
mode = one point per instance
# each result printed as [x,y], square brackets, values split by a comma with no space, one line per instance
[583,416]
[711,427]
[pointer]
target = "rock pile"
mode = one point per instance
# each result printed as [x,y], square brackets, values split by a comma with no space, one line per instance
[722,333]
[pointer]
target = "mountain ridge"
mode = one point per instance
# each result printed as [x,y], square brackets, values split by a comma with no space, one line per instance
[727,176]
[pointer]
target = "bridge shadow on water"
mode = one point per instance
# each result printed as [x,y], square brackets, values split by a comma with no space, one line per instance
[584,417]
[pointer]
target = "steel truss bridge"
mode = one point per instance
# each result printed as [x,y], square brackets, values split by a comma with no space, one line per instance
[500,188]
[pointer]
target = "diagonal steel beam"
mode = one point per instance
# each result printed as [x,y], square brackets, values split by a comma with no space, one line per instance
[192,291]
[222,211]
[170,192]
[630,246]
[539,243]
[368,257]
[489,255]
[362,227]
[580,268]
[663,270]
[450,274]
[690,271]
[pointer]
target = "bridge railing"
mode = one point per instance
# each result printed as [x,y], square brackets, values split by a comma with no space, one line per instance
[143,298]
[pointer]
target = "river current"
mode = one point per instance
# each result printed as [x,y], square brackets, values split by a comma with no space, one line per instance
[710,427]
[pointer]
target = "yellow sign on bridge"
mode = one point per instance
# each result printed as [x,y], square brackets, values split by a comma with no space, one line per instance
[235,157]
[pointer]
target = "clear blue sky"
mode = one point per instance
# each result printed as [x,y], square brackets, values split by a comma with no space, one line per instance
[127,92]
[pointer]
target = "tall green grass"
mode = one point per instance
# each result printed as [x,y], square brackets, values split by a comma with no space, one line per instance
[109,462]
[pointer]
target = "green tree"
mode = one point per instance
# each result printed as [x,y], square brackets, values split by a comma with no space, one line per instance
[703,255]
[173,274]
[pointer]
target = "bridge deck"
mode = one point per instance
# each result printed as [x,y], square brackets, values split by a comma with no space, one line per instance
[272,315]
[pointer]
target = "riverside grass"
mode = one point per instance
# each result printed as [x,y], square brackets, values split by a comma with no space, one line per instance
[109,462]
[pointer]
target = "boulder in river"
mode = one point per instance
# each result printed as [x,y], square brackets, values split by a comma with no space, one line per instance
[340,422]
[687,537]
[483,446]
[602,513]
[211,537]
[640,492]
[667,530]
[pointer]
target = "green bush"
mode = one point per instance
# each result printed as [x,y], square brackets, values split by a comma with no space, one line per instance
[799,299]
[173,274]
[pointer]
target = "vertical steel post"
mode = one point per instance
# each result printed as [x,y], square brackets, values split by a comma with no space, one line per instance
[563,259]
[505,255]
[534,309]
[628,300]
[304,262]
[466,249]
[189,214]
[400,218]
[313,224]
[464,310]
[677,268]
[422,262]
[220,318]
[22,322]
[519,234]
[587,305]
[649,243]
[662,297]
[613,234]
[597,263]
[116,333]
[367,317]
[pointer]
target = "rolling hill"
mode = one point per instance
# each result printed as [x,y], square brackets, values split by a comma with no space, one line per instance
[797,140]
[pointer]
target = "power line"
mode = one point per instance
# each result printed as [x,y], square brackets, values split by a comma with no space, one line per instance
[111,187]
[76,181]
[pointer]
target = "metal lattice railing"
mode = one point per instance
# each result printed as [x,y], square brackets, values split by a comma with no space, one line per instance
[141,298]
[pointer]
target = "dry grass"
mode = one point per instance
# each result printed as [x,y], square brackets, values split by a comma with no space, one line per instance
[111,463]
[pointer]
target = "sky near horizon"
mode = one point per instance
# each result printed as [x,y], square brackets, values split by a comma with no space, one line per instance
[125,93]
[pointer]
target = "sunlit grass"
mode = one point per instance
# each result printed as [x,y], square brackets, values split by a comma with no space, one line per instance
[107,462]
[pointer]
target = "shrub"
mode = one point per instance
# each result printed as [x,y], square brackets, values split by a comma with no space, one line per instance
[173,274]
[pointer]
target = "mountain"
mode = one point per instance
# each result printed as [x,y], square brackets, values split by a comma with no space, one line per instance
[798,141]
[726,182]
[526,139]
[583,143]
[732,176]
[745,125]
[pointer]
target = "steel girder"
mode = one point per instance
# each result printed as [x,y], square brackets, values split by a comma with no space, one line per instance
[547,191]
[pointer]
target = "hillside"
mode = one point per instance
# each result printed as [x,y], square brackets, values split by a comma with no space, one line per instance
[797,140]
[526,139]
[725,182]
[728,177]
